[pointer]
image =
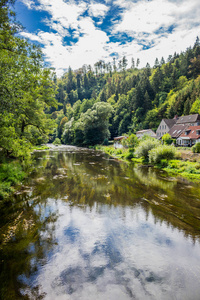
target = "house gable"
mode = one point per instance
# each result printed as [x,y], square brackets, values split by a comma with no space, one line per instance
[164,127]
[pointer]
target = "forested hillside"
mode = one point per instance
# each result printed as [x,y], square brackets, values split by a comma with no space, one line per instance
[91,104]
[108,100]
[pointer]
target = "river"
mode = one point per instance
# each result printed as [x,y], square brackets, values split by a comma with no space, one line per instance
[86,226]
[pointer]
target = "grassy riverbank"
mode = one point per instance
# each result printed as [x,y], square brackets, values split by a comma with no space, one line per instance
[11,174]
[186,166]
[13,171]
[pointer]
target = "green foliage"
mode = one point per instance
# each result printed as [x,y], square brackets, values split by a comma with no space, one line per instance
[105,142]
[195,109]
[167,139]
[27,90]
[196,148]
[130,153]
[190,170]
[11,173]
[132,141]
[57,142]
[145,146]
[118,151]
[161,152]
[91,128]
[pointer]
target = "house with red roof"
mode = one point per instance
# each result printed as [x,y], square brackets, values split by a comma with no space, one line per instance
[177,128]
[190,136]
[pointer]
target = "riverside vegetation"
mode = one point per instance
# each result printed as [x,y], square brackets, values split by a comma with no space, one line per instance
[151,152]
[86,106]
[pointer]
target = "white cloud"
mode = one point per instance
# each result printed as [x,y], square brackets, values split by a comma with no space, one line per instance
[29,3]
[147,16]
[140,20]
[98,9]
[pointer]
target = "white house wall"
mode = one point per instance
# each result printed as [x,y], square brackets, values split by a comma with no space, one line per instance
[162,129]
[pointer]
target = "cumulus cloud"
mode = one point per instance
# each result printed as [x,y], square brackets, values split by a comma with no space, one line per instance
[153,28]
[146,16]
[29,3]
[98,9]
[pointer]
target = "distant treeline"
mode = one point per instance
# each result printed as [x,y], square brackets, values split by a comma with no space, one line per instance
[91,104]
[109,100]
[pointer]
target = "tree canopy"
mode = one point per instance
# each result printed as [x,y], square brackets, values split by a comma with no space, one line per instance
[26,89]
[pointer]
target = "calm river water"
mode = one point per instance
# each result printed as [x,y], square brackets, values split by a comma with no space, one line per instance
[85,226]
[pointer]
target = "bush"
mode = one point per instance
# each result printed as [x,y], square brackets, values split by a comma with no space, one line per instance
[57,142]
[160,153]
[129,154]
[145,146]
[196,148]
[132,141]
[167,139]
[105,142]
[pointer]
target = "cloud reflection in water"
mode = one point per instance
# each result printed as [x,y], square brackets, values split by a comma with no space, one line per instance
[119,253]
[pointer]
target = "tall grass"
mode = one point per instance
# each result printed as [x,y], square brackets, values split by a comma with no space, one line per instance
[11,173]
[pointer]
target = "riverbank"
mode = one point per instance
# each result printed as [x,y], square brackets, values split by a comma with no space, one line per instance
[11,174]
[13,171]
[186,166]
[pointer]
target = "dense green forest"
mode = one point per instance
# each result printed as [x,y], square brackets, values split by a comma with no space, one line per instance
[109,100]
[89,105]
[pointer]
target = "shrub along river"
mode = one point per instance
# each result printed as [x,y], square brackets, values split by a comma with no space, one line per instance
[86,226]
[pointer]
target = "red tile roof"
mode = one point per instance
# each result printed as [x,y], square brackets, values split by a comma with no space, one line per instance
[192,132]
[120,137]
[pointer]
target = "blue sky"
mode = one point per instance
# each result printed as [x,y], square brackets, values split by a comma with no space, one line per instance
[77,32]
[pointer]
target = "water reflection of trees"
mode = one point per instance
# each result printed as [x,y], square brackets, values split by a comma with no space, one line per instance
[24,245]
[84,179]
[87,177]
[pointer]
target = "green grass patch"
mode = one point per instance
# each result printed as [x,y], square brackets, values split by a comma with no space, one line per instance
[41,147]
[187,169]
[121,153]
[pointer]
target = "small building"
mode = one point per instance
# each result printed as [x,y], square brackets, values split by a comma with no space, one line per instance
[149,132]
[177,130]
[117,141]
[190,136]
[165,126]
[120,138]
